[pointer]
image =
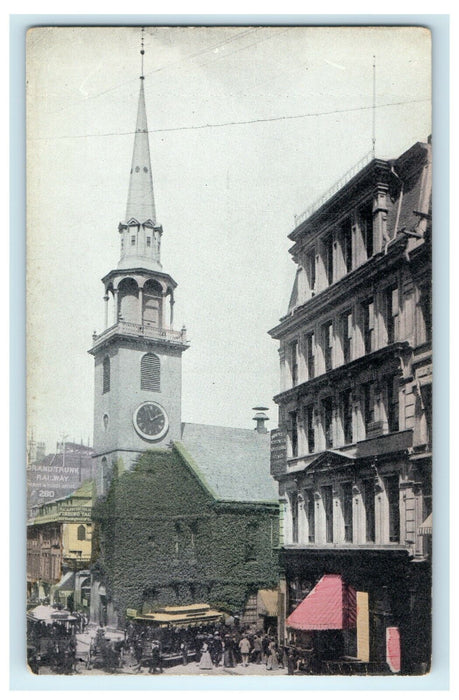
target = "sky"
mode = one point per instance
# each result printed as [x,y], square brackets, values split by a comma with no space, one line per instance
[248,127]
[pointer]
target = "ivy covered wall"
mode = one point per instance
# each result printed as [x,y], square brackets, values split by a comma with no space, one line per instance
[165,540]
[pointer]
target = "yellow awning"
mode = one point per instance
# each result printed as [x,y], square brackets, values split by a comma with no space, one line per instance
[199,613]
[269,601]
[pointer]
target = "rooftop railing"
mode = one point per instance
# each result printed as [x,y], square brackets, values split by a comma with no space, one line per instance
[144,330]
[344,179]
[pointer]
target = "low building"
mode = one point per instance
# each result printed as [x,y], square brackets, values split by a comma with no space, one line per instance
[193,524]
[352,455]
[59,548]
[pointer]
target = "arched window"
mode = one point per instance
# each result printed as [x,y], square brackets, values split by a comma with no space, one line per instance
[81,532]
[104,475]
[150,372]
[106,375]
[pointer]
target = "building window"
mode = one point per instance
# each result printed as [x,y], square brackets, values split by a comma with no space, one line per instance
[294,504]
[392,491]
[346,336]
[309,427]
[178,539]
[311,270]
[106,375]
[368,325]
[105,476]
[132,240]
[311,516]
[392,404]
[328,421]
[425,315]
[426,394]
[328,259]
[328,510]
[251,540]
[150,372]
[347,511]
[309,342]
[81,532]
[366,219]
[346,238]
[294,433]
[369,503]
[392,314]
[368,406]
[148,241]
[327,344]
[346,411]
[294,362]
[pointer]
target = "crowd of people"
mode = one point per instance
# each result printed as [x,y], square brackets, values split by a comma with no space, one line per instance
[53,645]
[146,647]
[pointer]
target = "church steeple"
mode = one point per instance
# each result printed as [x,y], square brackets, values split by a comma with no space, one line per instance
[137,358]
[140,232]
[141,201]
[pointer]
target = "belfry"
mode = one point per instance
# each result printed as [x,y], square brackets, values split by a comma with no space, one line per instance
[137,387]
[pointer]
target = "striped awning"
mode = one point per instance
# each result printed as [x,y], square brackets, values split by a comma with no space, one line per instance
[331,605]
[426,527]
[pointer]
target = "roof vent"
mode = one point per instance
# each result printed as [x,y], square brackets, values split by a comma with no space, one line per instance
[261,418]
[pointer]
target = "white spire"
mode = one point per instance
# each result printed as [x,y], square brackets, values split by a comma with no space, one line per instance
[141,202]
[140,232]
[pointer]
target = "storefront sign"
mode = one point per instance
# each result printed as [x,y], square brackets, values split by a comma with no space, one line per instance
[393,649]
[278,450]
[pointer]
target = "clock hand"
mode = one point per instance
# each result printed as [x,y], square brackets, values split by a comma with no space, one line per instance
[153,420]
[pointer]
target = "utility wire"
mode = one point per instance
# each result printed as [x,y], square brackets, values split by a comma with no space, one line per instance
[233,123]
[166,66]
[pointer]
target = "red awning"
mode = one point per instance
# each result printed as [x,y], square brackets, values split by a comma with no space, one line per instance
[331,605]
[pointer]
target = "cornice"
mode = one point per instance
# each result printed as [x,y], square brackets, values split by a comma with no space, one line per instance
[348,369]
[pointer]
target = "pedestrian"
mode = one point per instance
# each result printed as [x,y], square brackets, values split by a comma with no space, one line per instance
[184,652]
[244,648]
[138,651]
[291,662]
[271,664]
[228,656]
[156,658]
[217,649]
[205,662]
[256,651]
[265,649]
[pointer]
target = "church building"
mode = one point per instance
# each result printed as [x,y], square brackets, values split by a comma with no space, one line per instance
[185,513]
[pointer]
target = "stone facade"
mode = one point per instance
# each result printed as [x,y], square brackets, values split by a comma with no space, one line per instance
[353,452]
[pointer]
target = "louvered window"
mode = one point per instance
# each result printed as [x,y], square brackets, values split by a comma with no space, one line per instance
[106,375]
[150,373]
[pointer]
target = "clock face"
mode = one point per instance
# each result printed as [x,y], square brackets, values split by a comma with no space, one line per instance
[150,421]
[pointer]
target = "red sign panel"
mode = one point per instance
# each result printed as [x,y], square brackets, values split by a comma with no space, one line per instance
[393,649]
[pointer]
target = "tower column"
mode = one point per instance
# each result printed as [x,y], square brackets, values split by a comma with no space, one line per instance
[140,306]
[172,302]
[115,306]
[106,310]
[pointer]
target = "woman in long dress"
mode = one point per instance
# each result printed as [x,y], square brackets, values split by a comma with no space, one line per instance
[206,661]
[271,663]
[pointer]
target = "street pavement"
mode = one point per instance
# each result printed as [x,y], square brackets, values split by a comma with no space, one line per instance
[192,669]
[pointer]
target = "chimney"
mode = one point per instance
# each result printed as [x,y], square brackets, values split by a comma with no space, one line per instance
[261,418]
